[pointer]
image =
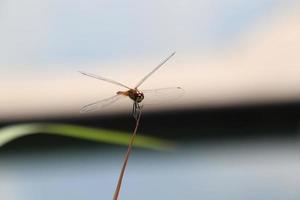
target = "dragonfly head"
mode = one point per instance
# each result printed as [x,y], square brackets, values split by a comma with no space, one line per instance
[139,96]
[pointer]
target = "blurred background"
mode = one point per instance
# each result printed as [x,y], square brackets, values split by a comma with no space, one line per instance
[236,128]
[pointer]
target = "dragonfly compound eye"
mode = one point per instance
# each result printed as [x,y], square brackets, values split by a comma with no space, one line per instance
[139,97]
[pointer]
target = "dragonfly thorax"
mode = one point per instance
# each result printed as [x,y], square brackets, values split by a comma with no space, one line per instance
[136,95]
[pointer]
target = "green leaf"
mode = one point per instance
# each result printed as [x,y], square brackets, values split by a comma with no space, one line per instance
[13,132]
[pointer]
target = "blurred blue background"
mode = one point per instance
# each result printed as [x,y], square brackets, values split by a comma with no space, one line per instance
[237,126]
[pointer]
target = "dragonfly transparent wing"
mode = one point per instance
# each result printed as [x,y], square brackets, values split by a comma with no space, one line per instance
[104,79]
[100,104]
[155,96]
[154,70]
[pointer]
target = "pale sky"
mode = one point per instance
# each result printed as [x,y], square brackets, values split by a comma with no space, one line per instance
[37,33]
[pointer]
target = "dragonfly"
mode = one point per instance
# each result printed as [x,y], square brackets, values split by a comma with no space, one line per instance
[135,94]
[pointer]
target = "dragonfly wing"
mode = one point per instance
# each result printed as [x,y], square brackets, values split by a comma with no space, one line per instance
[159,95]
[154,70]
[104,79]
[100,104]
[164,90]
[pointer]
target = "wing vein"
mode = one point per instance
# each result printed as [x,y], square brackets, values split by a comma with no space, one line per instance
[100,104]
[104,79]
[154,70]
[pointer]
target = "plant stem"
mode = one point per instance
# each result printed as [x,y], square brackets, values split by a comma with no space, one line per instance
[116,194]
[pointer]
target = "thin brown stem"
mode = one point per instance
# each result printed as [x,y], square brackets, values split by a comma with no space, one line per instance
[117,191]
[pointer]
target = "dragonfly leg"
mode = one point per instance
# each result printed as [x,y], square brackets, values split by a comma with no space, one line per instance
[136,110]
[133,112]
